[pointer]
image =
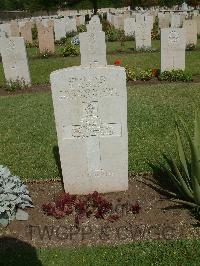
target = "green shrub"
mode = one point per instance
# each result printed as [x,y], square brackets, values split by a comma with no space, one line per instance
[112,34]
[145,75]
[69,50]
[62,41]
[130,73]
[155,33]
[71,34]
[145,49]
[34,32]
[45,55]
[175,75]
[186,178]
[81,28]
[32,45]
[190,47]
[106,25]
[18,84]
[14,197]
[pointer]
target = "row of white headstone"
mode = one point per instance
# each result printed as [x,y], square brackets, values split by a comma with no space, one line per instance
[142,32]
[90,107]
[23,28]
[93,50]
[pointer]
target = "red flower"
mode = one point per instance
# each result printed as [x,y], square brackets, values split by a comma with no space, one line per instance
[117,62]
[154,72]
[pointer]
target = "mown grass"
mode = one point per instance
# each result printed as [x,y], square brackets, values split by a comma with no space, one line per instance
[185,252]
[40,69]
[171,253]
[28,135]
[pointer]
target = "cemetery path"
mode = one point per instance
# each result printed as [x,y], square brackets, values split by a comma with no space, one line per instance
[159,218]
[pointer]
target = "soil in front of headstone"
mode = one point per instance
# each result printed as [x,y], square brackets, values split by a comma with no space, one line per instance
[47,87]
[159,218]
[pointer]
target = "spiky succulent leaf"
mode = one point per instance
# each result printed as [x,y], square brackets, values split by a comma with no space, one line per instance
[195,160]
[181,184]
[182,156]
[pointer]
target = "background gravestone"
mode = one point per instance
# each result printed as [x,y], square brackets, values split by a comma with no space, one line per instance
[129,26]
[163,21]
[175,21]
[25,29]
[60,28]
[143,35]
[190,27]
[46,37]
[14,60]
[92,44]
[197,19]
[5,29]
[14,29]
[70,25]
[173,44]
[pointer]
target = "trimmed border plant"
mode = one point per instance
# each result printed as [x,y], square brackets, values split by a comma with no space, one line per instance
[14,198]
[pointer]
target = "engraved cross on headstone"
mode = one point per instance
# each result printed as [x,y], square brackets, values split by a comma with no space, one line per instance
[91,128]
[11,50]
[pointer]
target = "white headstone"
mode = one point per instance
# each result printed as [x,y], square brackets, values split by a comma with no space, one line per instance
[184,7]
[139,18]
[90,106]
[173,44]
[197,19]
[163,21]
[175,21]
[5,29]
[143,35]
[129,26]
[14,60]
[60,28]
[190,27]
[94,24]
[92,45]
[71,25]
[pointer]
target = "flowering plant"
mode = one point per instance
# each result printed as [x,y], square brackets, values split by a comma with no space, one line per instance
[117,62]
[155,72]
[75,40]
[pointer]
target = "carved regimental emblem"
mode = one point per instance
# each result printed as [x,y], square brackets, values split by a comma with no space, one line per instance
[92,129]
[173,38]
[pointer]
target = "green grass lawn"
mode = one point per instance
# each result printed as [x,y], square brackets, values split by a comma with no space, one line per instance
[40,69]
[171,253]
[28,136]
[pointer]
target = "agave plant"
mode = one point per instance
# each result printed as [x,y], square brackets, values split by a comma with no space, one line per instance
[14,197]
[186,178]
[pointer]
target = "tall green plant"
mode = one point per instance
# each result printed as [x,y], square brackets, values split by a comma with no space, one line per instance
[186,178]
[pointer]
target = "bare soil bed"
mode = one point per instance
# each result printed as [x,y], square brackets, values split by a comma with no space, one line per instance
[47,87]
[158,219]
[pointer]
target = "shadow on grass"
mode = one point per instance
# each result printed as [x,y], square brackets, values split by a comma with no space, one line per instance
[14,252]
[58,163]
[161,182]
